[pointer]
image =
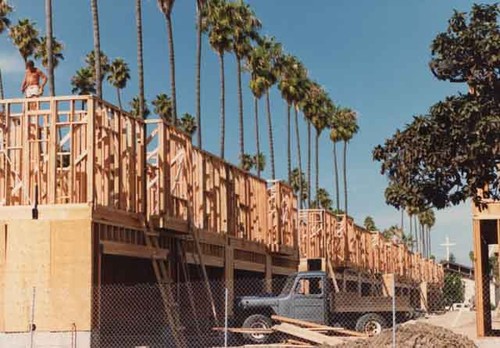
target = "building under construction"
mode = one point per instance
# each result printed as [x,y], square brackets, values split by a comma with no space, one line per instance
[79,210]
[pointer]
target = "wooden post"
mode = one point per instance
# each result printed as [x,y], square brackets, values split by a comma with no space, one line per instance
[387,284]
[483,314]
[424,292]
[229,276]
[268,288]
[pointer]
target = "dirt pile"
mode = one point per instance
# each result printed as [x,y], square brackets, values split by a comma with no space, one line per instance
[415,335]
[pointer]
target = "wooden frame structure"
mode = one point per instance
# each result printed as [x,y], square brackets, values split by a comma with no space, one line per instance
[323,234]
[78,161]
[486,232]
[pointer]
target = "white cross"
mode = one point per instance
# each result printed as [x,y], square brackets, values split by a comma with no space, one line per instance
[447,244]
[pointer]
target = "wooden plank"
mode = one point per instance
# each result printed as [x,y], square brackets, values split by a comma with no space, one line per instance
[314,326]
[311,336]
[133,250]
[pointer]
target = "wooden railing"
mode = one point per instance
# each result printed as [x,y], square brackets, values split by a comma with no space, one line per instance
[323,234]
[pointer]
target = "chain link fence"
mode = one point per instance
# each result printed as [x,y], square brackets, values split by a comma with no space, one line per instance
[307,309]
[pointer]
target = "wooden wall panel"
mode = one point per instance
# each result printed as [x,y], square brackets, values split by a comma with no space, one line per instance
[55,258]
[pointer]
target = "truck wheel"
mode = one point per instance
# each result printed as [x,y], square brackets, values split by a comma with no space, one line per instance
[257,321]
[370,324]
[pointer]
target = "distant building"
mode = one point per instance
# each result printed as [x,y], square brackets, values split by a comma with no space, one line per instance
[467,275]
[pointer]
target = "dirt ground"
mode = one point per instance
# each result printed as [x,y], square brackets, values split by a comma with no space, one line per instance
[415,335]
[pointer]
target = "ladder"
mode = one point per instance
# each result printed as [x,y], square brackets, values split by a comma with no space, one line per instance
[161,270]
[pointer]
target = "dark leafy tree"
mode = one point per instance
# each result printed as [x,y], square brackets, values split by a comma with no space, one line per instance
[453,289]
[5,10]
[451,154]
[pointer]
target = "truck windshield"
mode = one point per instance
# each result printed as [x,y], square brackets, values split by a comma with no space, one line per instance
[288,284]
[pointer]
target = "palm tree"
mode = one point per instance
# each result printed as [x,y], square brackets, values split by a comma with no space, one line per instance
[245,26]
[166,7]
[259,162]
[83,82]
[247,162]
[49,45]
[323,200]
[135,108]
[103,66]
[163,107]
[119,74]
[140,70]
[349,127]
[271,52]
[199,13]
[427,219]
[42,53]
[335,137]
[25,37]
[188,124]
[216,22]
[97,47]
[298,184]
[5,10]
[369,224]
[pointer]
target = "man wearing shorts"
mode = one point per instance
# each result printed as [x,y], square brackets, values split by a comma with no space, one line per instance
[31,83]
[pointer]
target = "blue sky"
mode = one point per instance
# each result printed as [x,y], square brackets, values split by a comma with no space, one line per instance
[370,55]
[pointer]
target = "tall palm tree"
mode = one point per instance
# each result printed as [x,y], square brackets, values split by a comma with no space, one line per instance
[163,107]
[272,52]
[369,224]
[166,7]
[216,22]
[259,162]
[427,219]
[323,199]
[49,46]
[187,124]
[299,184]
[199,13]
[83,82]
[245,28]
[25,36]
[119,74]
[5,10]
[350,127]
[257,86]
[97,47]
[335,137]
[140,58]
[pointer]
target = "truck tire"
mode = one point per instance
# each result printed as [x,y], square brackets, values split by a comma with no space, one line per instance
[370,324]
[257,321]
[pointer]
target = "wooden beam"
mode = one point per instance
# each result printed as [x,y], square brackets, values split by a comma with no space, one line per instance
[307,335]
[132,250]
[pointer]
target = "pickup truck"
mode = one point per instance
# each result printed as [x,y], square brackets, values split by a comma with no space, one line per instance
[310,296]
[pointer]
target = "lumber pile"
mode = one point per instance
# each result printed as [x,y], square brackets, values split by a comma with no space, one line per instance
[300,333]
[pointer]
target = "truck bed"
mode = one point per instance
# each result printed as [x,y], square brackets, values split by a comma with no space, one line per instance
[344,302]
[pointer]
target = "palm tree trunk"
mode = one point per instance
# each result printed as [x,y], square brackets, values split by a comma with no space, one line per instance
[2,96]
[336,168]
[50,62]
[402,220]
[299,156]
[97,47]
[309,164]
[119,98]
[198,74]
[140,70]
[345,177]
[257,140]
[429,242]
[240,111]
[411,232]
[316,153]
[270,131]
[172,67]
[288,144]
[222,106]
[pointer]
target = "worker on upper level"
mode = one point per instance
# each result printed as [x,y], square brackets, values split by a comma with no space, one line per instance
[31,84]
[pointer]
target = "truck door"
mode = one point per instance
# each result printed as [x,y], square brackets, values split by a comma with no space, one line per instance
[309,299]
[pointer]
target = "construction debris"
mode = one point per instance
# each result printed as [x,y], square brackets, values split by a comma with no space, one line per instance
[412,336]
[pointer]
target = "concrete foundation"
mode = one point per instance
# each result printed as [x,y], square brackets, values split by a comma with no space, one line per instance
[80,339]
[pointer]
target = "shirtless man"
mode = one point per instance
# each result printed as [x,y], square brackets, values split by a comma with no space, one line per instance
[31,83]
